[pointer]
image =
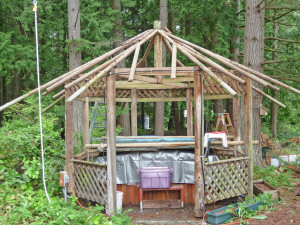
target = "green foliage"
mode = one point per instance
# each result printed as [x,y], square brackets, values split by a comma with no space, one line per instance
[242,210]
[272,176]
[32,207]
[22,198]
[20,149]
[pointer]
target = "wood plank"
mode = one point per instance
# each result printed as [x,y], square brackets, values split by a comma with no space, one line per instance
[159,204]
[132,196]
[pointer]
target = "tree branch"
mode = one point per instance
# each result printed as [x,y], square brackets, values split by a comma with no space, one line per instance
[260,3]
[284,24]
[282,39]
[272,50]
[284,14]
[278,61]
[282,77]
[279,8]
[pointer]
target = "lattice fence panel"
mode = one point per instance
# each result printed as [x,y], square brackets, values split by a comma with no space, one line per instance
[161,93]
[226,179]
[91,181]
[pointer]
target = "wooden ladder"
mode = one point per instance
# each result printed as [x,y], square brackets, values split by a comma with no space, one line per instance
[226,124]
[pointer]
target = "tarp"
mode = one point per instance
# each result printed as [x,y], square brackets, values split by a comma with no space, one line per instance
[182,163]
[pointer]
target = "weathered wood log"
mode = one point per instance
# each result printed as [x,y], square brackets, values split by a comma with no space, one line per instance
[58,94]
[269,97]
[133,112]
[227,160]
[174,58]
[227,62]
[88,163]
[134,62]
[268,78]
[53,103]
[248,132]
[169,48]
[85,120]
[213,64]
[189,107]
[65,77]
[149,137]
[144,59]
[199,126]
[198,63]
[111,144]
[107,69]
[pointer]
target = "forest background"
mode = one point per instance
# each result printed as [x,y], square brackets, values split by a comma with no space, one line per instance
[217,25]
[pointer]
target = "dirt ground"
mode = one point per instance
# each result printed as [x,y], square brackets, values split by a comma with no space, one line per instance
[286,212]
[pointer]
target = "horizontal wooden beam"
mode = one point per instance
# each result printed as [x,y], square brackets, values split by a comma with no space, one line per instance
[158,71]
[227,160]
[170,99]
[161,144]
[155,80]
[145,85]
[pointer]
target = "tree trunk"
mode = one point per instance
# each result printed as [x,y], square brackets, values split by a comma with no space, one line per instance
[218,108]
[160,50]
[159,106]
[273,105]
[176,113]
[164,23]
[235,50]
[124,119]
[253,58]
[75,56]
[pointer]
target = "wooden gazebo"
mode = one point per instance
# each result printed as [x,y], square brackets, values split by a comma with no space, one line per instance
[139,83]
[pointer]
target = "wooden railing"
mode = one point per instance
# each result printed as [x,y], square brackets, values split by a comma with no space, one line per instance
[90,181]
[226,178]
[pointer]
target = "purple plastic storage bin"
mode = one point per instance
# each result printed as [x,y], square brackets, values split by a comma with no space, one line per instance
[155,177]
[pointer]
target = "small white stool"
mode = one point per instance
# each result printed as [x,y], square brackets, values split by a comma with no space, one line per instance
[214,135]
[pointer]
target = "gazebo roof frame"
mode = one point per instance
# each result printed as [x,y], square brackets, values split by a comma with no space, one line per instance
[92,72]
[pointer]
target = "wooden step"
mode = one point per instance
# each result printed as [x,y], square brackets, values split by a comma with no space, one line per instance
[159,204]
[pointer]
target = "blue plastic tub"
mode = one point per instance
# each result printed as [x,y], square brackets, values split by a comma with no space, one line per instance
[214,218]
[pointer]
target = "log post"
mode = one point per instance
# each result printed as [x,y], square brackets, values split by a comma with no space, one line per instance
[236,121]
[133,112]
[85,125]
[159,106]
[85,121]
[189,109]
[248,133]
[111,145]
[198,107]
[69,138]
